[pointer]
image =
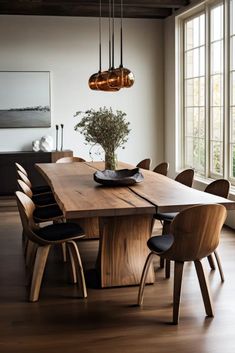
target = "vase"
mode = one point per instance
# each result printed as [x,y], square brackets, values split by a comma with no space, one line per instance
[110,160]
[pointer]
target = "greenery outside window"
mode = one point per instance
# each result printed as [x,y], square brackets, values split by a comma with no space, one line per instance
[208,89]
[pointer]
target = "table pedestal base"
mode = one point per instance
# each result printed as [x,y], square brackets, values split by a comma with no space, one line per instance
[123,249]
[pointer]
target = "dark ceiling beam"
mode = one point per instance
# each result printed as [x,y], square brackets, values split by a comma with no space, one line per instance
[90,8]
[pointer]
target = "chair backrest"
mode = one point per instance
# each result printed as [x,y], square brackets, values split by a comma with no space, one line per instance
[19,167]
[70,160]
[25,188]
[219,187]
[26,208]
[144,164]
[24,178]
[196,232]
[162,168]
[185,177]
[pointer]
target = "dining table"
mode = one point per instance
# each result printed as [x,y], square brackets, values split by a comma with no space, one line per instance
[121,216]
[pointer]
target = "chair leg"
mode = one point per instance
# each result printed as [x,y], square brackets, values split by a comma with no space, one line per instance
[73,249]
[162,262]
[39,266]
[168,269]
[30,252]
[211,261]
[143,278]
[166,230]
[72,266]
[178,273]
[64,253]
[204,288]
[219,266]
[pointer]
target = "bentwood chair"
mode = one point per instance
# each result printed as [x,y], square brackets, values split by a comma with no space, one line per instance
[162,168]
[40,200]
[46,210]
[144,164]
[24,176]
[70,160]
[186,178]
[218,187]
[43,239]
[194,234]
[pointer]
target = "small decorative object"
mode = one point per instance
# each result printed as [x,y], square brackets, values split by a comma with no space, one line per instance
[62,137]
[121,177]
[57,128]
[36,145]
[46,143]
[105,128]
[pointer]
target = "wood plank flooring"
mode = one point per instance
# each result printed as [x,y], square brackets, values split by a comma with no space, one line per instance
[108,321]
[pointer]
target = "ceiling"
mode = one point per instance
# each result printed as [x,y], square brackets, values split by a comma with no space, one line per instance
[90,8]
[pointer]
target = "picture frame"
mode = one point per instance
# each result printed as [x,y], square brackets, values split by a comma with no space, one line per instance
[25,100]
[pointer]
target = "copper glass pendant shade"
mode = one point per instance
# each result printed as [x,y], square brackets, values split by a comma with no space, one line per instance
[112,79]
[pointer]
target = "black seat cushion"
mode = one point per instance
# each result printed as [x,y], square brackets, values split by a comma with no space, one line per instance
[60,231]
[47,212]
[168,217]
[160,243]
[40,189]
[43,199]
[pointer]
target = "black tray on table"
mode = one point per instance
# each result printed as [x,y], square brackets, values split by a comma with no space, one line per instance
[121,177]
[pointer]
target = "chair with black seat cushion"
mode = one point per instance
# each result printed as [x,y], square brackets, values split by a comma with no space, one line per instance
[43,239]
[144,164]
[162,168]
[219,187]
[186,178]
[35,189]
[46,210]
[70,160]
[194,235]
[39,200]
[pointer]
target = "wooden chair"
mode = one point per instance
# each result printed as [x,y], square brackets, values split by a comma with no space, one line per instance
[42,239]
[22,174]
[218,187]
[194,235]
[46,210]
[40,200]
[144,164]
[185,178]
[70,160]
[162,168]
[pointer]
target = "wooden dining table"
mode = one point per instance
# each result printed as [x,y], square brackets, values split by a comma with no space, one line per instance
[122,217]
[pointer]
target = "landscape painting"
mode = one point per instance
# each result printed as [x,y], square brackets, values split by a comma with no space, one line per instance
[25,99]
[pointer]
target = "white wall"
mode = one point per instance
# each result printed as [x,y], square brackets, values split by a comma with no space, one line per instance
[68,48]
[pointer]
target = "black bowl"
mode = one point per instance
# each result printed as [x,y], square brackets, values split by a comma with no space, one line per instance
[121,177]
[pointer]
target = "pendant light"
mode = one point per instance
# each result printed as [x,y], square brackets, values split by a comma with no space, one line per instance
[112,79]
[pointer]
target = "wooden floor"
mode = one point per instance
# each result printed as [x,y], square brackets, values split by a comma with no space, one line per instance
[108,321]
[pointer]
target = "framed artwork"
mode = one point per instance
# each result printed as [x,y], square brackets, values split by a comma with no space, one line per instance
[25,99]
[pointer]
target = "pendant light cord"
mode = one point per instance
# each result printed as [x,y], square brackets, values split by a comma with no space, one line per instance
[100,36]
[110,12]
[113,36]
[121,38]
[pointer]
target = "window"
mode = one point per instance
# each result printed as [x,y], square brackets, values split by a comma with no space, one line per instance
[208,90]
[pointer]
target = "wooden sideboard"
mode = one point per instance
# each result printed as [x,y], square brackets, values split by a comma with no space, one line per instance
[27,159]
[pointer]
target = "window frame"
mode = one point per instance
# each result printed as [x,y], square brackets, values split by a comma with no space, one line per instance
[206,8]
